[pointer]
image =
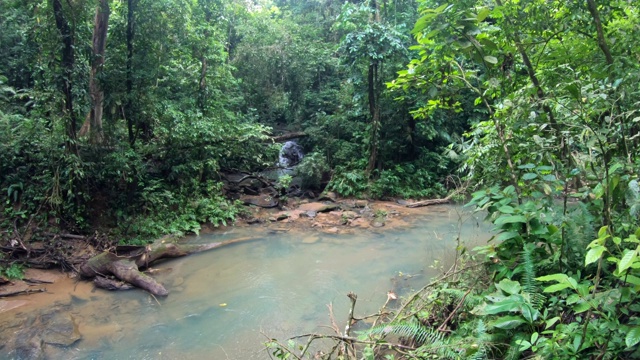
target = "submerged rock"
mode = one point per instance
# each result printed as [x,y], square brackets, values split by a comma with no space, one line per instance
[60,330]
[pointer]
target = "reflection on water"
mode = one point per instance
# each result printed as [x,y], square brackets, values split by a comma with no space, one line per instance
[223,303]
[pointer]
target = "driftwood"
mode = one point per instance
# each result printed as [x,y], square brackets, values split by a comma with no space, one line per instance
[126,264]
[428,202]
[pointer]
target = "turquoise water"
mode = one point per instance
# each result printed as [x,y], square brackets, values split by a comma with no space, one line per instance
[223,304]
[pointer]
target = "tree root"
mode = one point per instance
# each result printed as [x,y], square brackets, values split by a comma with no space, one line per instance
[126,264]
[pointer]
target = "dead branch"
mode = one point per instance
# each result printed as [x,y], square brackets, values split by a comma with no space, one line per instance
[353,297]
[446,321]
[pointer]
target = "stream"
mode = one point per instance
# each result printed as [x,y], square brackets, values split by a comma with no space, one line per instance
[223,304]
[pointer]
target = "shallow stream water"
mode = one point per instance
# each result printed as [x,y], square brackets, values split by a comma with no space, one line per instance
[223,304]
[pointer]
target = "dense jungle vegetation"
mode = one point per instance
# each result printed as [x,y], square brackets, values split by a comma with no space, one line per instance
[124,114]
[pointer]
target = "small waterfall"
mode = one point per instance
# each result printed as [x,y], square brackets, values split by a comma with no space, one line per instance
[290,155]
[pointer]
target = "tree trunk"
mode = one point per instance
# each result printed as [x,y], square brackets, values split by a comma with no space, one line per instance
[374,110]
[202,91]
[128,109]
[100,26]
[602,42]
[67,63]
[532,75]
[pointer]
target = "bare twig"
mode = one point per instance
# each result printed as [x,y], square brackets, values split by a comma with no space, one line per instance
[446,321]
[353,297]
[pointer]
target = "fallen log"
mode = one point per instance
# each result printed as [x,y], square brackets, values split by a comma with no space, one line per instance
[289,136]
[428,202]
[126,265]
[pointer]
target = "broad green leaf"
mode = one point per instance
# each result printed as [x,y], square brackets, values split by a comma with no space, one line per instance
[529,313]
[581,307]
[510,219]
[574,91]
[554,277]
[594,254]
[491,59]
[506,209]
[549,323]
[634,280]
[508,322]
[509,286]
[482,14]
[572,299]
[507,235]
[603,231]
[633,336]
[627,259]
[556,287]
[529,176]
[509,304]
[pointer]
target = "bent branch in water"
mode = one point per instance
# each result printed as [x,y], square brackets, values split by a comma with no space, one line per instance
[127,266]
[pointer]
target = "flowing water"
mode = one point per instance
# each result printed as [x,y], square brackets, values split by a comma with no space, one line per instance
[223,304]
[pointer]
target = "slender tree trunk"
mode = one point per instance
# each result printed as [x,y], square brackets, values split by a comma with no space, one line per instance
[602,42]
[67,62]
[130,116]
[532,74]
[202,91]
[374,111]
[100,26]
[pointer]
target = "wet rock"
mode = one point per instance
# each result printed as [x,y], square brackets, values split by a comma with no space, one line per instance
[350,214]
[251,184]
[376,223]
[360,203]
[402,202]
[282,216]
[328,196]
[318,207]
[253,220]
[264,201]
[310,214]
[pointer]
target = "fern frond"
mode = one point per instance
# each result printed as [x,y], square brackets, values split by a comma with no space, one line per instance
[470,301]
[408,330]
[529,283]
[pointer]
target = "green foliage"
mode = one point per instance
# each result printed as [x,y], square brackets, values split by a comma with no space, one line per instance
[312,169]
[348,183]
[412,331]
[14,271]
